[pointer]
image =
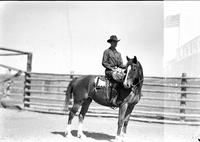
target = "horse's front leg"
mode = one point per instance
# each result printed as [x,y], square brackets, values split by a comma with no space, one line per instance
[122,112]
[126,119]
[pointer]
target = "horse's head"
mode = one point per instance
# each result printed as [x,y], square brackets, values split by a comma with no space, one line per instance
[133,70]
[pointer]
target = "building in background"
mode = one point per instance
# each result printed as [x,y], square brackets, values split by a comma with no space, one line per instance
[182,44]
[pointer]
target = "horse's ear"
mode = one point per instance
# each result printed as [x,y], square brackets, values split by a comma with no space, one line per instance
[127,58]
[135,60]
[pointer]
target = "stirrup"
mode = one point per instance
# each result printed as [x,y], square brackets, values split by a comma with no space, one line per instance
[113,106]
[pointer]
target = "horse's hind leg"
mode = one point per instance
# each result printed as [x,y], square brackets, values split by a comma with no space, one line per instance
[72,113]
[83,111]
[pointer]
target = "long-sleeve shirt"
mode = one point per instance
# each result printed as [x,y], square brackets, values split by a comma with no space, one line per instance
[112,58]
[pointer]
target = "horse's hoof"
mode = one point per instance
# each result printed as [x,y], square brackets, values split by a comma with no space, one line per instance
[68,134]
[81,136]
[118,139]
[123,134]
[123,139]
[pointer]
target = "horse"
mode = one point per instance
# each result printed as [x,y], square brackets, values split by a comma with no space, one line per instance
[84,90]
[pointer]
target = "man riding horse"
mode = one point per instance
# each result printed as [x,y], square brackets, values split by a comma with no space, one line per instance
[113,63]
[85,89]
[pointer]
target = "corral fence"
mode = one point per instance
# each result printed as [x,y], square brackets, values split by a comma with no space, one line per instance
[173,100]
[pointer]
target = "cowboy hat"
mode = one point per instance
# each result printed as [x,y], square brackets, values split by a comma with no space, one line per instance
[113,38]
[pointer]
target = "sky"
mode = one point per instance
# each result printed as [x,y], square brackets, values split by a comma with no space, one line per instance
[65,36]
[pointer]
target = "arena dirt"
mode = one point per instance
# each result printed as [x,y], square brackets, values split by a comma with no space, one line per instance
[25,126]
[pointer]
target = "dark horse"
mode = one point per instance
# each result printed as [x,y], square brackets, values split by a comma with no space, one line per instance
[84,91]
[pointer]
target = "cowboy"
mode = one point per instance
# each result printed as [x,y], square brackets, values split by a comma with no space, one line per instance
[112,61]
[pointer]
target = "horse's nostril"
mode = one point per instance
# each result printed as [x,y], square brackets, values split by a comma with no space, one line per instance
[127,85]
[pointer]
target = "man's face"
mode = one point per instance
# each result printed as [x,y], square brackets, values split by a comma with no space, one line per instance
[114,43]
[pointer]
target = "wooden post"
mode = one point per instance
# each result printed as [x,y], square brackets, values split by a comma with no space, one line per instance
[71,75]
[26,81]
[29,62]
[26,87]
[183,96]
[71,96]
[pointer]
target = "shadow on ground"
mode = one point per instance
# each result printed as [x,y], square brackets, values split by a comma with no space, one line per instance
[94,135]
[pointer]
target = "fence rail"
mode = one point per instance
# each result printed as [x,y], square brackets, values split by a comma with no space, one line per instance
[164,99]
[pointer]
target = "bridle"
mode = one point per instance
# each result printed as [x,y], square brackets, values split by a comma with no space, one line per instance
[133,86]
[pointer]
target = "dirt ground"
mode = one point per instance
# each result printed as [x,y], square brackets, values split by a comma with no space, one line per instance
[25,126]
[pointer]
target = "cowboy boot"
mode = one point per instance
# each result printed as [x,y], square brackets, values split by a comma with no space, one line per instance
[113,101]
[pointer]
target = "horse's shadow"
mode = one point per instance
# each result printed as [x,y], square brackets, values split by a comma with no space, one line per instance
[94,135]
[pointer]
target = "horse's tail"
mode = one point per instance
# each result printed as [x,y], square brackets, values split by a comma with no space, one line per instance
[68,94]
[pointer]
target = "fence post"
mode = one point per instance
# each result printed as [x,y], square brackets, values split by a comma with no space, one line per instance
[183,96]
[71,74]
[71,96]
[29,62]
[26,87]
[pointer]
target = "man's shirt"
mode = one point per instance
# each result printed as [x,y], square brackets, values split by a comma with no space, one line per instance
[112,58]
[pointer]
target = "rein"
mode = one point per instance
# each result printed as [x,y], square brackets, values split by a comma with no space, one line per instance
[134,86]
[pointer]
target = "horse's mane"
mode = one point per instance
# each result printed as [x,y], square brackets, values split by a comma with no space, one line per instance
[141,70]
[141,75]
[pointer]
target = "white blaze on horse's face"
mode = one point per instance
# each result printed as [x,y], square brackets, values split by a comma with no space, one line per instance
[127,83]
[131,76]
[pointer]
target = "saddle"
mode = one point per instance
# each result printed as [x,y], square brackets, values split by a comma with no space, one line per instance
[118,76]
[103,85]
